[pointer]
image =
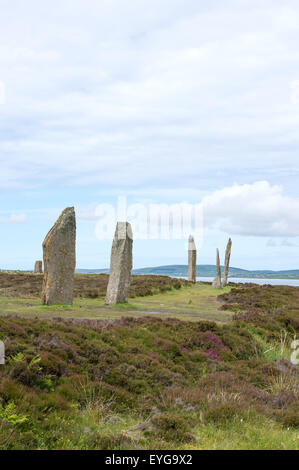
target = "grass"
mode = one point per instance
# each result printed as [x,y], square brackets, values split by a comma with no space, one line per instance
[175,303]
[193,302]
[248,435]
[274,349]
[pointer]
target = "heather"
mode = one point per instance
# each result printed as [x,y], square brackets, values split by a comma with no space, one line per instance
[21,284]
[271,309]
[149,382]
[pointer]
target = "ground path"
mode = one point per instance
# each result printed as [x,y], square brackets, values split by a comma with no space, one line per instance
[196,302]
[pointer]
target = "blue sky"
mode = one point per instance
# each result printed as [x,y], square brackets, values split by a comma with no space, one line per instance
[159,101]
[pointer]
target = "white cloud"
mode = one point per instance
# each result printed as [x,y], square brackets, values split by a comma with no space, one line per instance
[14,219]
[285,242]
[87,213]
[114,92]
[2,92]
[257,209]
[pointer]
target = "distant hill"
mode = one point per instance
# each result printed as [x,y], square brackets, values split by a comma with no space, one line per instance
[205,270]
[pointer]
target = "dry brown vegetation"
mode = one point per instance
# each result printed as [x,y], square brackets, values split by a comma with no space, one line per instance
[264,304]
[86,285]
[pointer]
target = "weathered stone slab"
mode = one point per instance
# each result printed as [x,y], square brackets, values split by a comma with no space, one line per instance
[120,265]
[226,263]
[191,260]
[2,353]
[217,281]
[59,250]
[38,267]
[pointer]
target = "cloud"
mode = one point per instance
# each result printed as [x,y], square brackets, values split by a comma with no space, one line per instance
[288,243]
[2,92]
[14,219]
[281,243]
[129,94]
[272,243]
[257,209]
[87,213]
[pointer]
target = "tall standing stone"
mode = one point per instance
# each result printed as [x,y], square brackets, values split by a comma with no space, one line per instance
[120,265]
[217,280]
[191,260]
[38,267]
[226,263]
[59,249]
[2,353]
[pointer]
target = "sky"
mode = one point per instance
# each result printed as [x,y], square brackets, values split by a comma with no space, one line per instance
[158,102]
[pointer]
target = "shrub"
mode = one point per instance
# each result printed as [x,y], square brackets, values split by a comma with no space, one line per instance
[222,415]
[171,428]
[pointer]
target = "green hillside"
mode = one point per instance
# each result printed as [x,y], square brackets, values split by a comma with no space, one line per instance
[207,270]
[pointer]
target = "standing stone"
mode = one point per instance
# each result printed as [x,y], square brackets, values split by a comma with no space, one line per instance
[217,281]
[38,267]
[2,353]
[120,265]
[59,248]
[191,260]
[226,263]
